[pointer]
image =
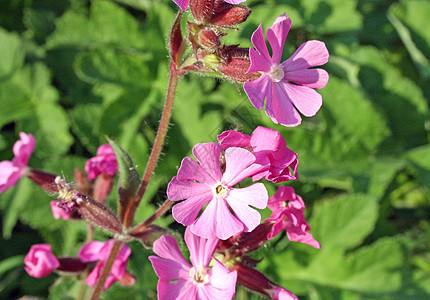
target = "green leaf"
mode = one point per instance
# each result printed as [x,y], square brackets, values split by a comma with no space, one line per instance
[129,179]
[12,53]
[11,263]
[344,222]
[420,162]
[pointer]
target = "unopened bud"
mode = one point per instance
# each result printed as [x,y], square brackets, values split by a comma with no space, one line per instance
[45,180]
[229,15]
[202,10]
[83,184]
[128,279]
[209,39]
[71,265]
[237,64]
[102,187]
[211,61]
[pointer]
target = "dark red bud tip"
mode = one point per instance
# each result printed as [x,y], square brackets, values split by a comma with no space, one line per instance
[83,184]
[175,38]
[71,265]
[252,279]
[230,15]
[202,10]
[45,180]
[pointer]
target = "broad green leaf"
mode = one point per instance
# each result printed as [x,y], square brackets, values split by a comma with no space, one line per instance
[15,105]
[345,221]
[113,66]
[11,53]
[11,263]
[107,24]
[420,161]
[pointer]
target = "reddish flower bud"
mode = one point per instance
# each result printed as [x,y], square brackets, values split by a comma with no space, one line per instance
[202,10]
[229,15]
[256,281]
[209,39]
[102,187]
[83,184]
[175,38]
[71,265]
[45,180]
[40,261]
[237,64]
[128,279]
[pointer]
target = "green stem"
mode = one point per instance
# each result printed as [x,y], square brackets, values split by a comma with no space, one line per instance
[158,144]
[98,290]
[160,211]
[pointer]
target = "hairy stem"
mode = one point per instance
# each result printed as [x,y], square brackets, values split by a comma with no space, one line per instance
[158,145]
[160,211]
[98,290]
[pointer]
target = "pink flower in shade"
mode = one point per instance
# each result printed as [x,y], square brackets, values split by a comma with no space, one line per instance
[181,281]
[12,171]
[104,162]
[99,251]
[280,293]
[289,217]
[290,82]
[269,147]
[39,261]
[183,4]
[203,183]
[59,211]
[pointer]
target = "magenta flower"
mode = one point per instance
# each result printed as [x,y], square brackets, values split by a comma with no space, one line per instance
[289,217]
[12,171]
[269,148]
[280,293]
[60,212]
[105,162]
[181,281]
[99,251]
[290,82]
[183,4]
[40,261]
[203,183]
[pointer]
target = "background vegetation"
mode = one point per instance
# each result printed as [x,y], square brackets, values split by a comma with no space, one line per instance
[74,71]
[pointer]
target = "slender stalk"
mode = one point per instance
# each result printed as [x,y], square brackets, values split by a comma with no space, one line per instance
[98,290]
[158,213]
[158,145]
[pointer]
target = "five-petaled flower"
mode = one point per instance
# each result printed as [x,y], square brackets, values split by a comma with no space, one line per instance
[290,82]
[203,182]
[201,280]
[289,217]
[40,261]
[12,171]
[269,148]
[99,251]
[104,162]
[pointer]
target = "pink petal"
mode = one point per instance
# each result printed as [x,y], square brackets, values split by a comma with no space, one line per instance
[255,195]
[226,224]
[166,247]
[201,249]
[191,170]
[277,35]
[280,293]
[237,160]
[234,1]
[311,78]
[263,138]
[184,189]
[59,212]
[40,261]
[23,149]
[258,90]
[176,290]
[9,175]
[95,274]
[259,43]
[309,54]
[186,211]
[208,156]
[280,109]
[222,284]
[105,149]
[90,251]
[204,226]
[169,269]
[259,62]
[277,227]
[183,4]
[305,99]
[231,138]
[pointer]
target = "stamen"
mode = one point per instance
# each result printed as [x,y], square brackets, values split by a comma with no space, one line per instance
[276,73]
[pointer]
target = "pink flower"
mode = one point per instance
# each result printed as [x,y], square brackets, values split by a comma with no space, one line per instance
[12,171]
[199,281]
[183,4]
[290,217]
[99,251]
[104,162]
[203,183]
[60,212]
[269,147]
[280,293]
[39,261]
[276,77]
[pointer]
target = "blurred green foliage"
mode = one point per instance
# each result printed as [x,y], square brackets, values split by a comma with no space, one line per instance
[72,72]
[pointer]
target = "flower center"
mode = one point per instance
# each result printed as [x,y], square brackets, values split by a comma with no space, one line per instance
[200,277]
[221,191]
[276,73]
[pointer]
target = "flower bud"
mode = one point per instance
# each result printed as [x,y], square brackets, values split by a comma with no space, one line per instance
[229,15]
[102,187]
[45,180]
[71,265]
[209,39]
[40,261]
[202,10]
[83,184]
[175,38]
[237,64]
